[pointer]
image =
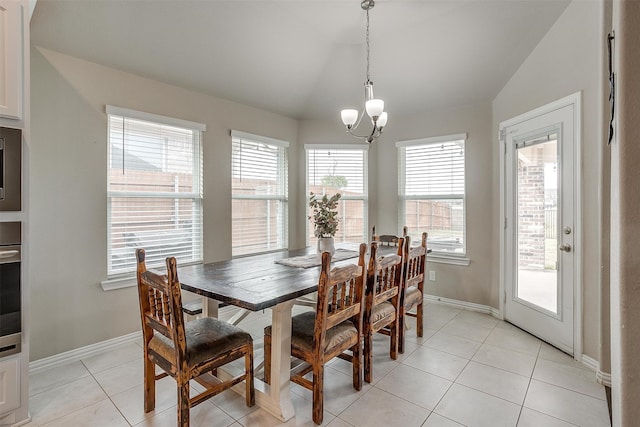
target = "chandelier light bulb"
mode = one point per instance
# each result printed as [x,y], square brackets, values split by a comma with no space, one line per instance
[349,117]
[374,107]
[382,120]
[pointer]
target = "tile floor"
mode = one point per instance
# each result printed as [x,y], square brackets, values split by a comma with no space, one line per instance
[468,370]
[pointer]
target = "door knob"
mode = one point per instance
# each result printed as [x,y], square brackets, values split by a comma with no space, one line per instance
[565,247]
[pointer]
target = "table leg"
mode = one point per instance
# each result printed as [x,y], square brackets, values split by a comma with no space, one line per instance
[276,398]
[209,307]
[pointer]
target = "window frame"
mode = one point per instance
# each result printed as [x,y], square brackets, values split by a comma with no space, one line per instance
[365,184]
[283,177]
[118,279]
[457,258]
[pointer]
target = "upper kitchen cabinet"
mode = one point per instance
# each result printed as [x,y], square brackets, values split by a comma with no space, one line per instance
[12,27]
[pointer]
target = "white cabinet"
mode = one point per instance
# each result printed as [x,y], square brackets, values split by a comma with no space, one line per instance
[11,58]
[9,384]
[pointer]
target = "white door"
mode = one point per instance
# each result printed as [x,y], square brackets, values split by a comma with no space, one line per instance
[540,223]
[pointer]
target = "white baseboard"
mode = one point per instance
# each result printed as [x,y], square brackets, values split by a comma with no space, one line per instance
[464,305]
[70,356]
[603,378]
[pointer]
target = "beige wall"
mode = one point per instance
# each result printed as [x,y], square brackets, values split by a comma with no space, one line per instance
[466,283]
[68,191]
[568,60]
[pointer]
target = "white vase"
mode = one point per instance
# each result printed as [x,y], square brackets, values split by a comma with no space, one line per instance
[325,244]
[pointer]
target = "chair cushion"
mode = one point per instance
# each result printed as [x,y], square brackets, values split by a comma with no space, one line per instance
[382,311]
[302,329]
[207,338]
[412,297]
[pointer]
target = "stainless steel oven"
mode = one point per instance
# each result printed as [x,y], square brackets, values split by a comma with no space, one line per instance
[10,169]
[10,290]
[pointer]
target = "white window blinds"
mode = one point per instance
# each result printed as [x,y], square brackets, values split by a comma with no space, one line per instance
[341,169]
[154,189]
[432,191]
[259,185]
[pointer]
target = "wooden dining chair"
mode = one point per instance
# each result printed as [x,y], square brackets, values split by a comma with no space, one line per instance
[335,327]
[186,350]
[415,260]
[386,239]
[382,302]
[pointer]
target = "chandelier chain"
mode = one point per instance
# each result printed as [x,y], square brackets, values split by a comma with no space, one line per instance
[367,42]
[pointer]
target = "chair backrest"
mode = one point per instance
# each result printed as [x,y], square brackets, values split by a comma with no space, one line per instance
[384,275]
[161,304]
[383,239]
[340,295]
[415,261]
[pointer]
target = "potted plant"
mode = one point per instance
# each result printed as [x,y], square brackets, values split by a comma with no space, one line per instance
[324,212]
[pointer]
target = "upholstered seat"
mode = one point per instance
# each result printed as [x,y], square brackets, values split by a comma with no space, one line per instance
[302,333]
[207,338]
[382,311]
[412,297]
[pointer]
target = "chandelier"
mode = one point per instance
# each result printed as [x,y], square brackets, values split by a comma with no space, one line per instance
[374,107]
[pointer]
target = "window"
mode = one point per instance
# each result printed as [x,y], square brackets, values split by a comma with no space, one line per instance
[431,189]
[341,169]
[259,193]
[154,189]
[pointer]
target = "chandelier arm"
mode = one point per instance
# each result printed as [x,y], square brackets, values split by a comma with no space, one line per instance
[357,123]
[356,135]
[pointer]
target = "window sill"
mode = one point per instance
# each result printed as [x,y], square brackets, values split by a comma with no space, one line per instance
[118,283]
[443,259]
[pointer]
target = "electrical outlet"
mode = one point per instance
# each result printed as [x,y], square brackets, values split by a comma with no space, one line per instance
[432,275]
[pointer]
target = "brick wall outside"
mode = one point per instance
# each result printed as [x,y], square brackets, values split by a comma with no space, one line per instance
[531,218]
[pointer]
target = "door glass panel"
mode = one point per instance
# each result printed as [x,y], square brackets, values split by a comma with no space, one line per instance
[537,212]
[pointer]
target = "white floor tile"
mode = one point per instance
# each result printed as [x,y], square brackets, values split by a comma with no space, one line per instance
[567,405]
[101,414]
[379,408]
[436,420]
[514,339]
[115,357]
[233,404]
[437,362]
[62,400]
[474,408]
[304,416]
[476,318]
[512,361]
[549,352]
[203,415]
[122,377]
[338,391]
[462,347]
[131,402]
[572,378]
[531,418]
[466,330]
[57,376]
[415,386]
[494,381]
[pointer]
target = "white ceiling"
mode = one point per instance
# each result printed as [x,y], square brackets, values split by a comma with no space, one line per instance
[306,58]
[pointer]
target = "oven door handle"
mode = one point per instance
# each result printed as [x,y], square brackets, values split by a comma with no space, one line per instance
[9,254]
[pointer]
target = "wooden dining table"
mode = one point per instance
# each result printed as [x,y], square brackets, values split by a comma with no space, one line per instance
[255,283]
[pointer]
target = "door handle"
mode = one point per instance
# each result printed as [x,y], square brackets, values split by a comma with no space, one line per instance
[565,247]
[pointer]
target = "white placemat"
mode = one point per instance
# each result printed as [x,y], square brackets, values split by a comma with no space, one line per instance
[314,260]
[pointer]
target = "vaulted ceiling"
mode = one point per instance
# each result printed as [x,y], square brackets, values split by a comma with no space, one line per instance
[306,58]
